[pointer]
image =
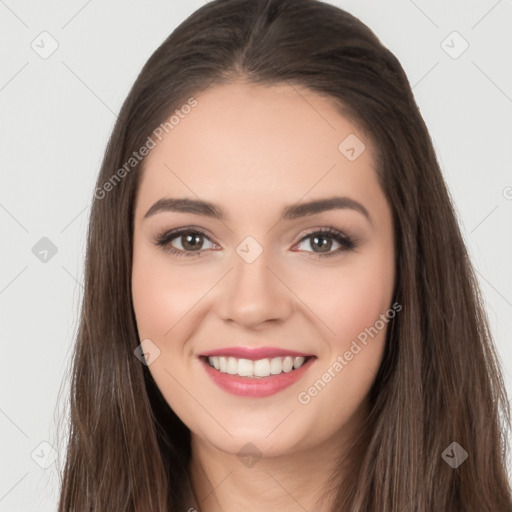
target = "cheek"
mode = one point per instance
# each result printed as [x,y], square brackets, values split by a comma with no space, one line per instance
[161,296]
[351,300]
[358,314]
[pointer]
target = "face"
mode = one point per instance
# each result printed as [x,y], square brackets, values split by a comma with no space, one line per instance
[269,273]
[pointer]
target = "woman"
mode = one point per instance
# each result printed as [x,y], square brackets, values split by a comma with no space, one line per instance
[229,356]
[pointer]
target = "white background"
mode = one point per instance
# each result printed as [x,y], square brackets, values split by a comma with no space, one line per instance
[57,114]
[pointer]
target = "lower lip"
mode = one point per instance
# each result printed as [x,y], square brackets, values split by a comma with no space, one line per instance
[255,387]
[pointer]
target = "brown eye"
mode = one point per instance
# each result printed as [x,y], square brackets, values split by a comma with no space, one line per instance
[183,242]
[321,242]
[192,242]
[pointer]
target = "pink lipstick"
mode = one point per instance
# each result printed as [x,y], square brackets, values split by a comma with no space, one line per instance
[252,385]
[253,353]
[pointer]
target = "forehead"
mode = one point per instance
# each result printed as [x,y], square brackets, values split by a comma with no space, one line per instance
[247,141]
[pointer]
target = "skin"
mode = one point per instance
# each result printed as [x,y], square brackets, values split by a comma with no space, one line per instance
[253,150]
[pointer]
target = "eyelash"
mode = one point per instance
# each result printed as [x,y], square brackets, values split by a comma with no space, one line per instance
[164,239]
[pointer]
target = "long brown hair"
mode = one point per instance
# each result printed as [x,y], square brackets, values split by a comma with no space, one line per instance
[440,380]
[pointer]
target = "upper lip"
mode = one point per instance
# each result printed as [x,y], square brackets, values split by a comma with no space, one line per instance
[253,353]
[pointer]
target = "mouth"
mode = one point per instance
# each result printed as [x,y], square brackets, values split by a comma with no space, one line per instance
[256,368]
[255,378]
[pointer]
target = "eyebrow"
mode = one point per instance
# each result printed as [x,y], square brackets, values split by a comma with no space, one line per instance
[291,212]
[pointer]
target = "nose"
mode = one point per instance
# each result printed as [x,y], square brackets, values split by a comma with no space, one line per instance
[254,293]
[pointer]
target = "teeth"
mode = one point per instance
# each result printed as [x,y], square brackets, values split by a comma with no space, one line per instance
[276,365]
[244,367]
[232,366]
[287,364]
[259,368]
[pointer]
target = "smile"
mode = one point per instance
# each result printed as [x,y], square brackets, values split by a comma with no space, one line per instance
[256,369]
[255,378]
